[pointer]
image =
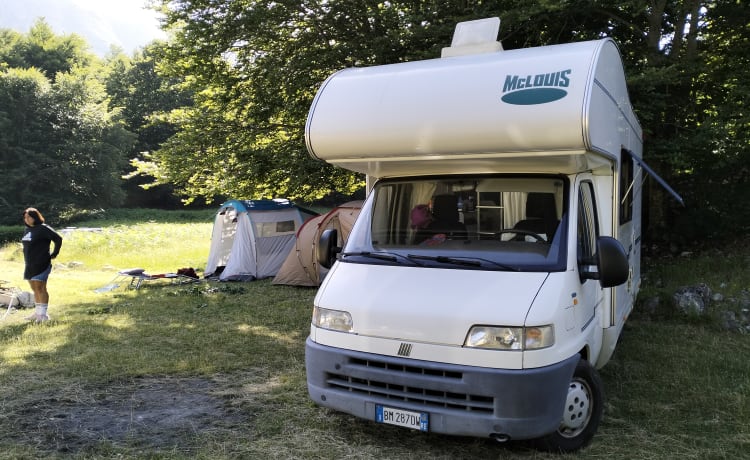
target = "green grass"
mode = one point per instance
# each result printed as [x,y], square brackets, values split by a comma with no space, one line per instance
[216,370]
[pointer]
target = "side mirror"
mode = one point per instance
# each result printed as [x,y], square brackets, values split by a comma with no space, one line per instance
[327,249]
[609,265]
[611,261]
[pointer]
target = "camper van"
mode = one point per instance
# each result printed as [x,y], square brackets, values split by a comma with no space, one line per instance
[497,255]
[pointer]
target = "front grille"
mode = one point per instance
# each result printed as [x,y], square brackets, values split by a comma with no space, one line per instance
[411,388]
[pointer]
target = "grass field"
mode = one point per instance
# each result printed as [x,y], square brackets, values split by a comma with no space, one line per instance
[216,370]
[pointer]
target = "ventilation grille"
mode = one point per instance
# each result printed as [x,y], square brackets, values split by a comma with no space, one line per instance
[412,388]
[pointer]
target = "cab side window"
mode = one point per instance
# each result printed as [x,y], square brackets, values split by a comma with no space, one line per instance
[587,224]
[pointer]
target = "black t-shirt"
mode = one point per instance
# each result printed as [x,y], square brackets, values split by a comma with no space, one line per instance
[36,243]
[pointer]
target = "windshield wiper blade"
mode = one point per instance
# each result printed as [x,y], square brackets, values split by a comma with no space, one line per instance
[466,261]
[387,256]
[447,260]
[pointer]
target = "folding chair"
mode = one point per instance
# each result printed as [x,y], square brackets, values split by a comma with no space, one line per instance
[134,278]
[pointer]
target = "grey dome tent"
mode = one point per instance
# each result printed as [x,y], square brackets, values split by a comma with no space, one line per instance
[251,238]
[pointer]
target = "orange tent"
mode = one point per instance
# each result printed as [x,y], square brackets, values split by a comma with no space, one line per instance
[301,267]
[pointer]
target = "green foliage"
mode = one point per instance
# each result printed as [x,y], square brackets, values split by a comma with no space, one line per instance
[689,91]
[10,233]
[42,49]
[255,68]
[142,97]
[220,109]
[61,146]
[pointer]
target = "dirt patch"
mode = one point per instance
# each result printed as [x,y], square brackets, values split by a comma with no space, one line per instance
[152,413]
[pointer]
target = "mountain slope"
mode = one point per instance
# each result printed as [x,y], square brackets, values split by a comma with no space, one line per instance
[123,23]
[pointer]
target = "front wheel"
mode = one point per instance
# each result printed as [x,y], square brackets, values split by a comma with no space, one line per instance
[584,406]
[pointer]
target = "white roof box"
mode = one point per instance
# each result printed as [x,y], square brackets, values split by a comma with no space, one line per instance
[473,37]
[561,108]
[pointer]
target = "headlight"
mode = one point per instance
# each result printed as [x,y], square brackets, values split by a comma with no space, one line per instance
[335,320]
[510,338]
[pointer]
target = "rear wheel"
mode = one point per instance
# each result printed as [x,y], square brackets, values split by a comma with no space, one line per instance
[584,406]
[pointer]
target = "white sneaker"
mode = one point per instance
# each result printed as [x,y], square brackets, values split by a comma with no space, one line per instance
[37,318]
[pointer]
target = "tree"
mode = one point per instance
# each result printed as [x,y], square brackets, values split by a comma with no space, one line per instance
[255,67]
[90,146]
[21,132]
[42,49]
[715,151]
[60,146]
[141,97]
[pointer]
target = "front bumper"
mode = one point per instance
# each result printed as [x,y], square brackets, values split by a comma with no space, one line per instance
[460,400]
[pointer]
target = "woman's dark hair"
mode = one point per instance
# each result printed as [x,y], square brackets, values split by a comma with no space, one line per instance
[35,215]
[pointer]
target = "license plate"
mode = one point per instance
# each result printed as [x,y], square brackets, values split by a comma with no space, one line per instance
[399,417]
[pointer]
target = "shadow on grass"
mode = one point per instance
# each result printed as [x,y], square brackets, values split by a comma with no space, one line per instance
[212,370]
[160,369]
[216,370]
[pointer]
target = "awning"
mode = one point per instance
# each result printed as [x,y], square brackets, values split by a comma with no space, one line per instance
[657,178]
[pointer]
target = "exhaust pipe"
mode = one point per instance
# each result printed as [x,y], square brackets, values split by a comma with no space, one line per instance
[500,437]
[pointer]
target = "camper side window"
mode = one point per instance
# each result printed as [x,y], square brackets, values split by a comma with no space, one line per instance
[626,187]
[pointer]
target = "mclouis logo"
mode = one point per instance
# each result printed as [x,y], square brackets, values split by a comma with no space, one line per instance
[535,89]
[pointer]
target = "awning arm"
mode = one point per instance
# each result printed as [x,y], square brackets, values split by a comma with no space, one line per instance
[656,177]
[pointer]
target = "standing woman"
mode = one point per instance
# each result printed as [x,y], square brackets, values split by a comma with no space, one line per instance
[36,243]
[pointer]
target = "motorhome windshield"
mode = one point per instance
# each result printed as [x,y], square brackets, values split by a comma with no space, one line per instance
[469,222]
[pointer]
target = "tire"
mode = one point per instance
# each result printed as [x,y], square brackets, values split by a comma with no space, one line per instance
[583,411]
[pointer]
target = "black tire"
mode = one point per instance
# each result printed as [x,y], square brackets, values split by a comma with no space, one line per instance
[582,414]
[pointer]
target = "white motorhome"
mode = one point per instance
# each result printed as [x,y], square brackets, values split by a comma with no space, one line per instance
[497,255]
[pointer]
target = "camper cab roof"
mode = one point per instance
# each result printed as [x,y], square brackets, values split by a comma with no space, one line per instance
[559,109]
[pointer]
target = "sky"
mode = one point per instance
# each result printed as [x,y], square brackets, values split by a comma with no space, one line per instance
[124,23]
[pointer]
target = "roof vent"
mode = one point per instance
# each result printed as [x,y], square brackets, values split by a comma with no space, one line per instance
[474,37]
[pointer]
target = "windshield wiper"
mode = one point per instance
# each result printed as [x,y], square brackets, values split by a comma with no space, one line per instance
[387,256]
[465,261]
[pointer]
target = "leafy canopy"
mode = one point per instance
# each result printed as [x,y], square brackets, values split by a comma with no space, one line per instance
[60,146]
[254,68]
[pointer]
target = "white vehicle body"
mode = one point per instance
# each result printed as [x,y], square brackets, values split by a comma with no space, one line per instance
[480,332]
